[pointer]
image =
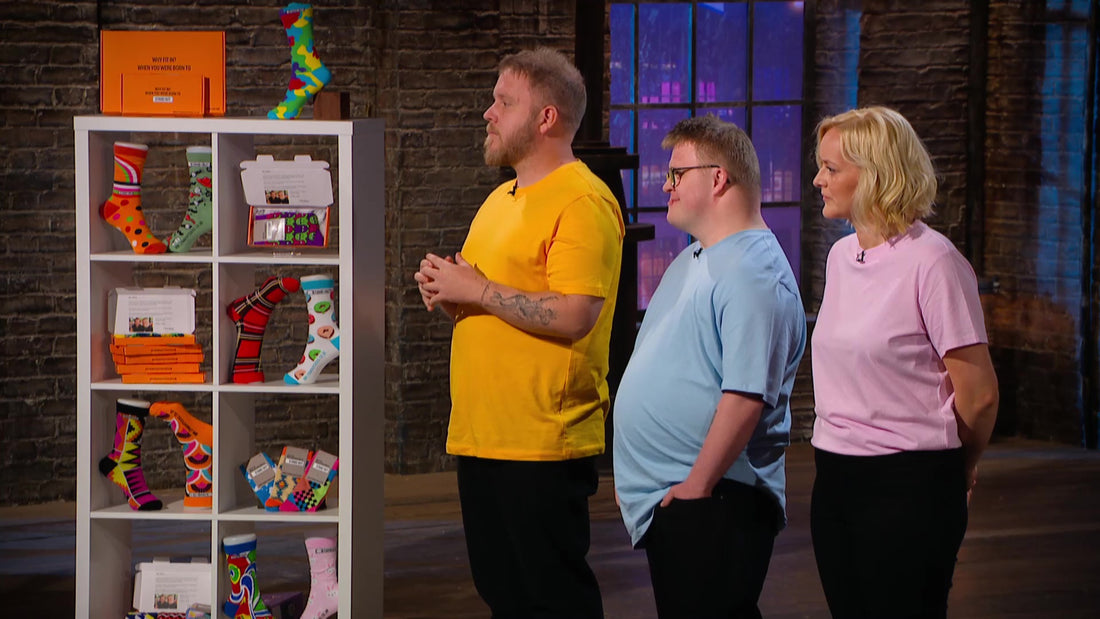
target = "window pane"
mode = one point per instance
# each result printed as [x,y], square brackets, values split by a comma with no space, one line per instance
[721,38]
[777,51]
[664,53]
[735,115]
[776,133]
[786,224]
[655,256]
[622,53]
[653,125]
[622,134]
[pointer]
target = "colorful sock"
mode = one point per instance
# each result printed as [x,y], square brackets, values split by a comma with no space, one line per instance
[310,489]
[323,344]
[197,438]
[292,467]
[324,588]
[244,593]
[200,217]
[260,473]
[250,314]
[309,74]
[123,465]
[123,209]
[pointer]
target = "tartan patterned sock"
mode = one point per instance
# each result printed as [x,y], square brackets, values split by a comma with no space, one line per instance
[250,314]
[123,465]
[197,439]
[123,209]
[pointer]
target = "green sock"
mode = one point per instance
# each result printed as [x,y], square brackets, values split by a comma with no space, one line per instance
[199,218]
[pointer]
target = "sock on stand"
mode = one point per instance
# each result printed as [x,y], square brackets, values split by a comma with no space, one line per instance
[324,589]
[250,314]
[244,593]
[323,344]
[123,209]
[260,472]
[197,439]
[199,218]
[123,465]
[293,463]
[309,75]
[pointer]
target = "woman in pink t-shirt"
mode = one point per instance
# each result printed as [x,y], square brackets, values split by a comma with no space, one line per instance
[905,392]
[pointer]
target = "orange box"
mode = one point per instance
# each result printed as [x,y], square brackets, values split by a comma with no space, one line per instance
[174,56]
[165,94]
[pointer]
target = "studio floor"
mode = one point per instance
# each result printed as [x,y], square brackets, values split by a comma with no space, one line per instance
[1032,550]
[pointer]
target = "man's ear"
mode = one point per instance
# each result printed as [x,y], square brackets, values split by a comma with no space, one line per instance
[549,119]
[721,181]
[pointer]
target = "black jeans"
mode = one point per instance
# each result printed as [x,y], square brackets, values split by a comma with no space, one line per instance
[886,531]
[708,558]
[527,534]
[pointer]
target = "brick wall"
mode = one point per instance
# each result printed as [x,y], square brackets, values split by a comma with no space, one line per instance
[386,54]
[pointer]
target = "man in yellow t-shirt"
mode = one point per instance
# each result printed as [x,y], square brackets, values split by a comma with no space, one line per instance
[532,294]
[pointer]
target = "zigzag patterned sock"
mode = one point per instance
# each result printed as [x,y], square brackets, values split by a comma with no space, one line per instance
[123,464]
[197,439]
[250,314]
[292,467]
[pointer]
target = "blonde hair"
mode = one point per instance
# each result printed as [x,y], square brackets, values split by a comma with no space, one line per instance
[722,143]
[554,79]
[897,183]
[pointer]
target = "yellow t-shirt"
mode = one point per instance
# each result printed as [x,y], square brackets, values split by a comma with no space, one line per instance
[518,396]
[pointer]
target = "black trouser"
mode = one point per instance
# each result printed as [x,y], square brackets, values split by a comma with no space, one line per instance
[527,534]
[708,557]
[886,531]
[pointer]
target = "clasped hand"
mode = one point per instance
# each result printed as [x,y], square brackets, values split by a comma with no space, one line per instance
[449,282]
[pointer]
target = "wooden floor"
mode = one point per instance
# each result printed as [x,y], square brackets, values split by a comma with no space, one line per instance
[1032,550]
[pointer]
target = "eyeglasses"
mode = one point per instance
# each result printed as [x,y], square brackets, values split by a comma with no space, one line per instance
[674,174]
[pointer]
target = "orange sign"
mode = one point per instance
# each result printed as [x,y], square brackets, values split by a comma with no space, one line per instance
[174,73]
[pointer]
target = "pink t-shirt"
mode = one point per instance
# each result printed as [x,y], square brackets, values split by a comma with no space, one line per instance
[887,317]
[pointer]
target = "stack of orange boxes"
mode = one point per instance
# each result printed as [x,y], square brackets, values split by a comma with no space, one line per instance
[157,358]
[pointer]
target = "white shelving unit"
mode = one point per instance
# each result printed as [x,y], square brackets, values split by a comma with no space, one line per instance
[104,522]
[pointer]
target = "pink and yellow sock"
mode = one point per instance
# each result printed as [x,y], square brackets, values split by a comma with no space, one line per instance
[123,465]
[197,439]
[123,209]
[323,343]
[309,75]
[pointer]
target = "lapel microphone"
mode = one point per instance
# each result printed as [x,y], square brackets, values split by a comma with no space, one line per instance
[695,254]
[861,255]
[512,191]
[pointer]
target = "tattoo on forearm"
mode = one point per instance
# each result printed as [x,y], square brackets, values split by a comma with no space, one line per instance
[526,308]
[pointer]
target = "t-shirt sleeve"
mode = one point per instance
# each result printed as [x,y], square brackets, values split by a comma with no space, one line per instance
[950,305]
[585,252]
[754,331]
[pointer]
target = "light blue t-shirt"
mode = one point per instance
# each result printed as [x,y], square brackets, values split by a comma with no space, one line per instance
[727,318]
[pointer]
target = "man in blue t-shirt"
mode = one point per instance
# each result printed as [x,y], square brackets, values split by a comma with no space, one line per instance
[702,414]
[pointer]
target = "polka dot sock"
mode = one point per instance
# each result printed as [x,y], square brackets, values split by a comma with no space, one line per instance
[323,343]
[123,209]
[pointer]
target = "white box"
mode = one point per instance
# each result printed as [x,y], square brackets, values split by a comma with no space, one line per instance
[151,311]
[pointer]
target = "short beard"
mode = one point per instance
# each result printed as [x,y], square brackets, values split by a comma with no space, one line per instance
[512,151]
